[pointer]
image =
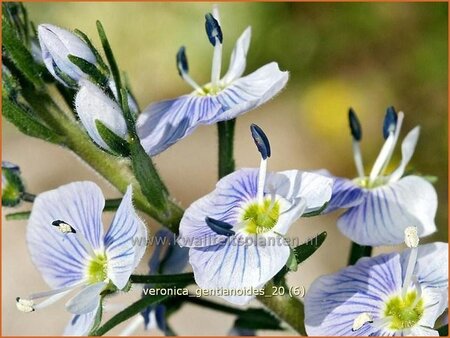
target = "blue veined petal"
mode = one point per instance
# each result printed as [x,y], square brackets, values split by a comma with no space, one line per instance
[346,194]
[92,104]
[333,302]
[249,92]
[239,264]
[224,204]
[290,211]
[86,300]
[435,302]
[388,210]
[315,189]
[125,242]
[80,325]
[238,59]
[164,123]
[61,258]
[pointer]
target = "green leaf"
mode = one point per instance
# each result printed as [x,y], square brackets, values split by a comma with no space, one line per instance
[19,54]
[257,319]
[117,144]
[90,69]
[111,60]
[301,253]
[182,278]
[27,123]
[305,250]
[316,212]
[18,216]
[443,331]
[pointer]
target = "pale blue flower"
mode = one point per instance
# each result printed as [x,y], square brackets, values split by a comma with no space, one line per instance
[382,205]
[67,245]
[397,294]
[56,45]
[235,233]
[164,123]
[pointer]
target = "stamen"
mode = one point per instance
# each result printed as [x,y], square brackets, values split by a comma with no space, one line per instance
[219,227]
[362,319]
[66,228]
[418,290]
[29,305]
[24,305]
[183,69]
[390,122]
[386,151]
[356,131]
[412,241]
[263,145]
[215,36]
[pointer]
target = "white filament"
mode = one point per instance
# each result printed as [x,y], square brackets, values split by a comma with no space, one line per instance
[386,151]
[412,241]
[216,64]
[261,180]
[358,158]
[186,77]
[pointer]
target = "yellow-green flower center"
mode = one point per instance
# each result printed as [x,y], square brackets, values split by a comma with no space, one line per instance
[365,183]
[261,218]
[97,269]
[405,312]
[210,90]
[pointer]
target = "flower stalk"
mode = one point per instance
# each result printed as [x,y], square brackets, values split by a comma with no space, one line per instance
[226,142]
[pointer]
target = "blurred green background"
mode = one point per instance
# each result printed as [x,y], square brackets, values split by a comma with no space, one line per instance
[364,55]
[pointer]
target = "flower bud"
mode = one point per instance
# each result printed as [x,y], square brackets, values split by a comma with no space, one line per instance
[12,186]
[56,45]
[92,104]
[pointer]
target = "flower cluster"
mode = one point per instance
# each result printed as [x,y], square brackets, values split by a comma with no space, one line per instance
[235,238]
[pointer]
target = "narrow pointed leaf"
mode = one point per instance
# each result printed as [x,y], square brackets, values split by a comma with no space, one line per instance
[95,74]
[27,123]
[257,319]
[304,251]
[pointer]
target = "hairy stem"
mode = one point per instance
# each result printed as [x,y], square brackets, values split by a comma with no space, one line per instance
[286,308]
[226,139]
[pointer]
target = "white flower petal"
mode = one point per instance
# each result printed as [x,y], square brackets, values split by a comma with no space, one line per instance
[315,189]
[125,242]
[238,59]
[387,210]
[420,331]
[87,300]
[92,104]
[408,147]
[61,258]
[238,267]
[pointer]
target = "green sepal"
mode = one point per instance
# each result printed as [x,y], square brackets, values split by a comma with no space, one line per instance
[117,144]
[95,74]
[316,212]
[103,67]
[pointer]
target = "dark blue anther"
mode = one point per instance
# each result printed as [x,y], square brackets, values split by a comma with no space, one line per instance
[213,29]
[219,227]
[355,126]
[261,141]
[57,223]
[182,63]
[390,121]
